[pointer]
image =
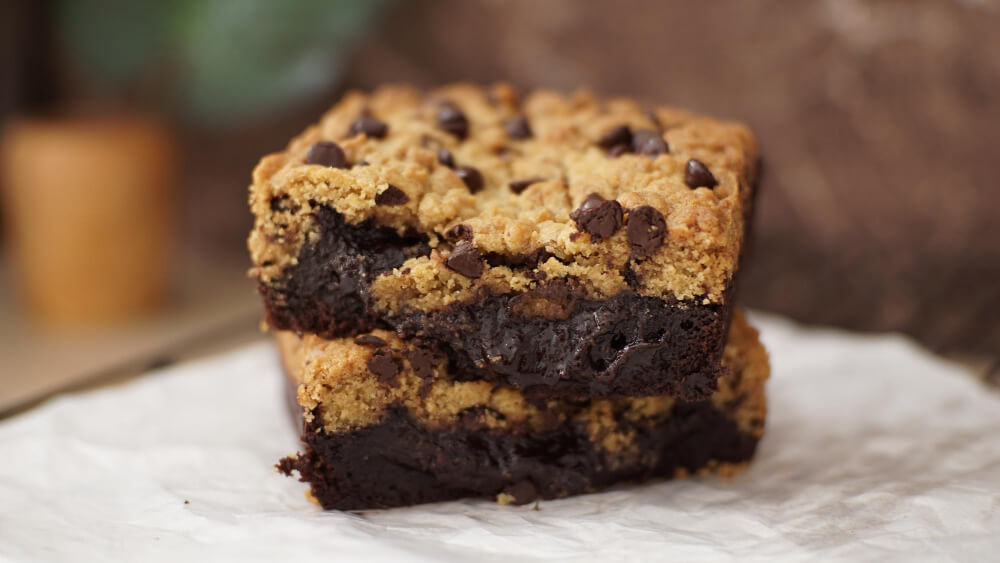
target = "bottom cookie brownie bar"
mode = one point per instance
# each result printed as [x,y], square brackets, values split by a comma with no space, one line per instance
[385,424]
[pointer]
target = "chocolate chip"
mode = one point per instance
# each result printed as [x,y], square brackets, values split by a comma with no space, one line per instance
[370,126]
[646,230]
[326,153]
[649,143]
[472,178]
[696,175]
[466,260]
[445,157]
[369,340]
[452,120]
[597,216]
[391,196]
[459,232]
[521,185]
[620,135]
[536,257]
[383,365]
[422,361]
[518,127]
[523,492]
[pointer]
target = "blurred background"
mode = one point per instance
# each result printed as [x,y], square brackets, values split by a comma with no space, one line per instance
[130,130]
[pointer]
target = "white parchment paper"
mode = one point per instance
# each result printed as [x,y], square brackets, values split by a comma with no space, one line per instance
[876,450]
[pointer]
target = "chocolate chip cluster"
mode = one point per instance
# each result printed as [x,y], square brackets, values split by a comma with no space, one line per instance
[601,218]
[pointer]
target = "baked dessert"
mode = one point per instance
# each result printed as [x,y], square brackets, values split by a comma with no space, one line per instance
[387,423]
[567,245]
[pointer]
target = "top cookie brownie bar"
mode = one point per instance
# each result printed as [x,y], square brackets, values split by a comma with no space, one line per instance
[562,244]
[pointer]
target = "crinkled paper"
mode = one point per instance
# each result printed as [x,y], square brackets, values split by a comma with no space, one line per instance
[875,450]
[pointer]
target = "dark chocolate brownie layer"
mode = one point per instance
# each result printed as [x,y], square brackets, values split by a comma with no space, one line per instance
[627,345]
[400,462]
[328,291]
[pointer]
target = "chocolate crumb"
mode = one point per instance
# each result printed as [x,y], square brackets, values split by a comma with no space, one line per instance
[521,185]
[391,196]
[445,157]
[459,232]
[326,153]
[598,217]
[518,127]
[697,175]
[368,125]
[649,143]
[522,492]
[286,465]
[383,365]
[369,340]
[646,230]
[466,260]
[452,120]
[472,178]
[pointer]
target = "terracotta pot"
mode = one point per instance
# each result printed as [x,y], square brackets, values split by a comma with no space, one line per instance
[89,206]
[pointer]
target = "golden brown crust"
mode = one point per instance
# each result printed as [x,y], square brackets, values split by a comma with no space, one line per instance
[336,382]
[705,226]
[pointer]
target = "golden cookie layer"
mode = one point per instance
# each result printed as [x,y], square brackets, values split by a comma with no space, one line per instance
[705,226]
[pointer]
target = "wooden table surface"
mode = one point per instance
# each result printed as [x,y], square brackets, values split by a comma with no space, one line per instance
[212,308]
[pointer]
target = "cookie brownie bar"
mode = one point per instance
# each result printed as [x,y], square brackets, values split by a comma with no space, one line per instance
[567,245]
[387,424]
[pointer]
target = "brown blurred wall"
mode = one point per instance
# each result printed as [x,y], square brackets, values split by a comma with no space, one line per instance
[879,122]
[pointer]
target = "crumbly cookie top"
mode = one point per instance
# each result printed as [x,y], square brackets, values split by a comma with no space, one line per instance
[354,382]
[596,184]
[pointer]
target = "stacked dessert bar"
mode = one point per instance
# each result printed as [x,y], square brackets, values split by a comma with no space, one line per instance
[479,294]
